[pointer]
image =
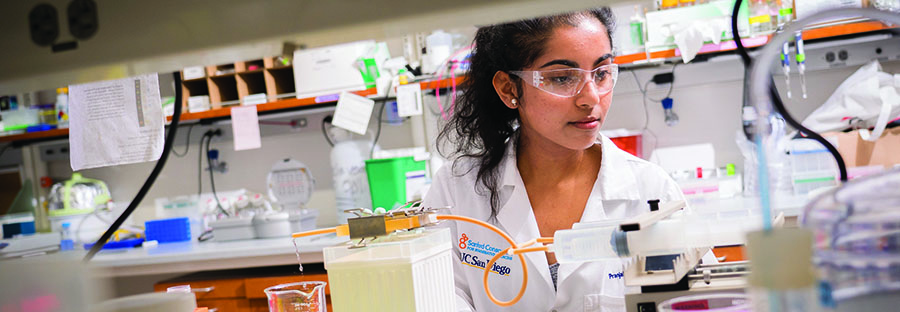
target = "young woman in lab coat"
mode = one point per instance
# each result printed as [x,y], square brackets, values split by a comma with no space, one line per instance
[529,159]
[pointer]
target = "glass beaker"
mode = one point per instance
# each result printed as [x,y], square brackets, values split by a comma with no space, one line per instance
[297,297]
[708,302]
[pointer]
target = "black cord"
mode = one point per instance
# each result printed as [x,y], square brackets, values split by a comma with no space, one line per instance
[187,143]
[5,147]
[777,104]
[167,148]
[212,179]
[325,120]
[200,164]
[378,132]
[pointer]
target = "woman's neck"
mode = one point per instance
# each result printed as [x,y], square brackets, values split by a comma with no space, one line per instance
[551,162]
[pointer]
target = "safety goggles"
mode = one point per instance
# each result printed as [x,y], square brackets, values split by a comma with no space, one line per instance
[569,82]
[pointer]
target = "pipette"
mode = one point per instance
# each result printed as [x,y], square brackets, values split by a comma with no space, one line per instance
[801,61]
[786,65]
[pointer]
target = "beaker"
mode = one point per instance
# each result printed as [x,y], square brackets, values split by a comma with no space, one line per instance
[297,297]
[708,302]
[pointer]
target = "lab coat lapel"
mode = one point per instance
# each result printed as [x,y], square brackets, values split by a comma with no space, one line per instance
[614,182]
[517,218]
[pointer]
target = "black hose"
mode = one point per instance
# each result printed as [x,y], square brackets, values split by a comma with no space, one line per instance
[212,179]
[167,148]
[777,104]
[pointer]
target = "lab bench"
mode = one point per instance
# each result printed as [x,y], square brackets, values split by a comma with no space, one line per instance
[207,256]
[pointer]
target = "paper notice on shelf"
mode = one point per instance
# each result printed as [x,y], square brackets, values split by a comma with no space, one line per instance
[353,113]
[409,100]
[245,128]
[115,122]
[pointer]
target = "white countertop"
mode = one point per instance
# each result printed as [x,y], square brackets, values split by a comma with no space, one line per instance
[196,256]
[203,256]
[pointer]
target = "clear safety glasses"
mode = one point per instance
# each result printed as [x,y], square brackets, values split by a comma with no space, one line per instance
[569,82]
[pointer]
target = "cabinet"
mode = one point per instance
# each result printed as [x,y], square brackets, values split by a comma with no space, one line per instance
[229,84]
[242,290]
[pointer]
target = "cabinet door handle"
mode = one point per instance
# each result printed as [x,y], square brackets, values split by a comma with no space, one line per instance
[203,290]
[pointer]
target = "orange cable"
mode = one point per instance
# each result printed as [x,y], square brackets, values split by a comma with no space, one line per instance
[519,251]
[315,232]
[487,268]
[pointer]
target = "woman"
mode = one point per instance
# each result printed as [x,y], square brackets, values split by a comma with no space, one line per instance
[531,161]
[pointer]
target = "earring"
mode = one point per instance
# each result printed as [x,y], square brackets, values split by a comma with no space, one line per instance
[515,103]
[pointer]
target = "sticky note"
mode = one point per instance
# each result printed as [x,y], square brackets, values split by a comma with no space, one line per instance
[409,100]
[353,113]
[245,128]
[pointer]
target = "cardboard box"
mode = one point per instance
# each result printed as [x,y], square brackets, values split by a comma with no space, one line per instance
[858,152]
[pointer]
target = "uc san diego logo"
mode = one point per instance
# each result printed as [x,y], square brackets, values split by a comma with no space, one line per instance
[471,249]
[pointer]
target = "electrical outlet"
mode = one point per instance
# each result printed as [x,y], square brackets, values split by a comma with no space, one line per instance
[55,152]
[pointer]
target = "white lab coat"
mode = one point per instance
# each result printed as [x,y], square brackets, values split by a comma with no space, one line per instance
[623,186]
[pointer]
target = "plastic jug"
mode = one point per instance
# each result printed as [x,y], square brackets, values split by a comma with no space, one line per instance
[297,297]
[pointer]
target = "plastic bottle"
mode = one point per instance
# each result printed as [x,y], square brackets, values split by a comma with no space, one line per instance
[785,12]
[62,107]
[66,243]
[637,27]
[348,164]
[438,47]
[761,21]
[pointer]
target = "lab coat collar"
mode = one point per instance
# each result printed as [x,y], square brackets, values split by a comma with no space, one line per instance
[517,218]
[615,181]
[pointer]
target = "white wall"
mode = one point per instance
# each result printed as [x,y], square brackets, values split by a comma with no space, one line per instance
[707,99]
[246,169]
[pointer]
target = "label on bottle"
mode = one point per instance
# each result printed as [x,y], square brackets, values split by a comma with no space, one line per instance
[761,19]
[786,12]
[637,33]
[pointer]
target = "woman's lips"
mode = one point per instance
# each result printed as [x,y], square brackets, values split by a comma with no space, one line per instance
[586,123]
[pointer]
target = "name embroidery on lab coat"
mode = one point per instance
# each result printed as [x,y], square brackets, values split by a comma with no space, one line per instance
[469,245]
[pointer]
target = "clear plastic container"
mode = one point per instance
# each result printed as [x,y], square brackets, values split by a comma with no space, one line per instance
[708,302]
[812,166]
[665,237]
[856,231]
[297,297]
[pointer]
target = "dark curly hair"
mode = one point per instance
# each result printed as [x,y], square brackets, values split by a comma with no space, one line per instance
[481,124]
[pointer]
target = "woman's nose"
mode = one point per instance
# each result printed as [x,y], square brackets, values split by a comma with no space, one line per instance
[589,95]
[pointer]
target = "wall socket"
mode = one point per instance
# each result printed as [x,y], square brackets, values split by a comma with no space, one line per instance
[55,152]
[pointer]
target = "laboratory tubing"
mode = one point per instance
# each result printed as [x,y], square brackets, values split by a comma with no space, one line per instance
[786,67]
[801,61]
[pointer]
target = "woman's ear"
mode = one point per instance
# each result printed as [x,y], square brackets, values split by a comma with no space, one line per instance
[506,89]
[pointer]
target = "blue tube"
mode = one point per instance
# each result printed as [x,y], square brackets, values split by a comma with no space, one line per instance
[763,176]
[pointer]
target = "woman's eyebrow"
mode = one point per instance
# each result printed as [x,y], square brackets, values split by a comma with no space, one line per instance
[561,62]
[602,58]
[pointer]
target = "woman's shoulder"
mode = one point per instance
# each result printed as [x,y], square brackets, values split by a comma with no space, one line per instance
[461,169]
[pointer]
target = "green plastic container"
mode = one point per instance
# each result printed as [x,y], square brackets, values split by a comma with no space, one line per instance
[390,178]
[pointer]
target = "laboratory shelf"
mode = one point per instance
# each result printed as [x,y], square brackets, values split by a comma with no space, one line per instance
[224,112]
[271,106]
[822,31]
[812,33]
[39,135]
